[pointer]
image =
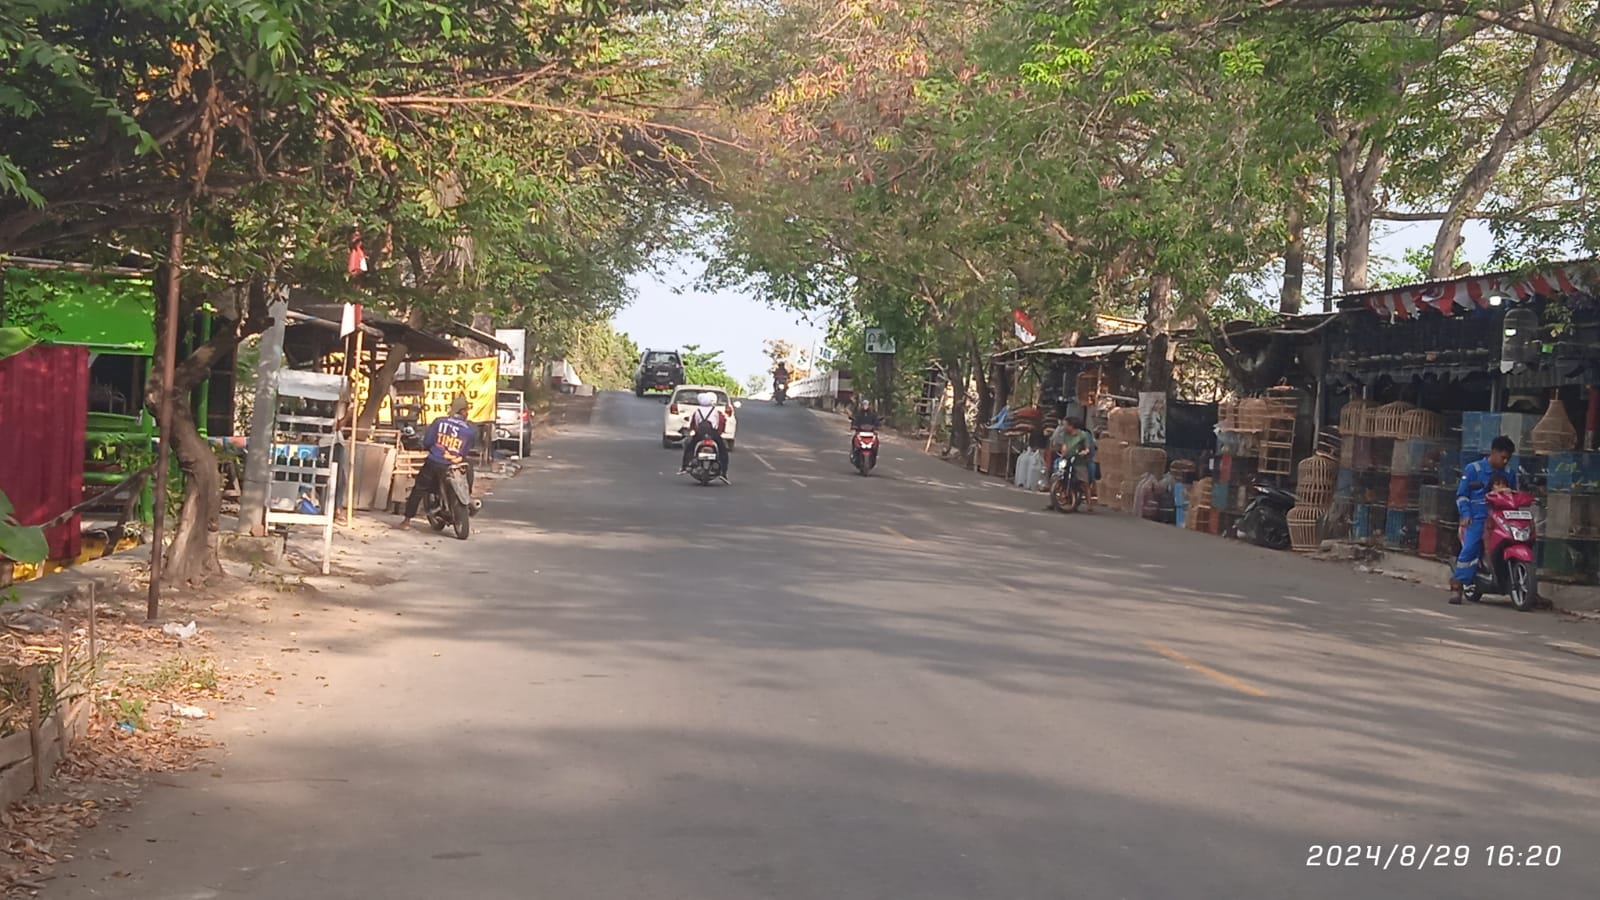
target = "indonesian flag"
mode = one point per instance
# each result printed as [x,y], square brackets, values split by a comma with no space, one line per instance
[351,320]
[1024,328]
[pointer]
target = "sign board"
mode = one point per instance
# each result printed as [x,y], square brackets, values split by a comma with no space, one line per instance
[477,379]
[512,364]
[1153,418]
[1026,332]
[879,342]
[825,354]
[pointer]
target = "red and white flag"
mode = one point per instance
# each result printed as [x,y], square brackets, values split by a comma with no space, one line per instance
[1023,326]
[351,320]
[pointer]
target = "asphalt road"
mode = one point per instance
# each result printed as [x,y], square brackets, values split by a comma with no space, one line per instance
[916,685]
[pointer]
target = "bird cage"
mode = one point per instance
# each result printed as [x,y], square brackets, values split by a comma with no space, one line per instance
[1315,480]
[1421,423]
[1088,385]
[1388,419]
[1352,418]
[1252,414]
[1228,415]
[1283,401]
[1303,527]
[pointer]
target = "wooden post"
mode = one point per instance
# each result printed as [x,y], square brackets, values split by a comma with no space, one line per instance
[350,457]
[94,659]
[35,728]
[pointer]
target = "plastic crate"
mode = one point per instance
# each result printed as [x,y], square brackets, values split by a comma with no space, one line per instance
[1427,538]
[1344,484]
[1402,492]
[1573,472]
[1221,495]
[1437,503]
[1400,529]
[1577,561]
[1360,517]
[1419,456]
[1572,516]
[1478,430]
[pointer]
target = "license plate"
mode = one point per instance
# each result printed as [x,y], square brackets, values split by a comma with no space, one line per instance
[708,454]
[1519,515]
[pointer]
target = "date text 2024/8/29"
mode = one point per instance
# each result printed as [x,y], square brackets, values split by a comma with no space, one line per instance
[1426,856]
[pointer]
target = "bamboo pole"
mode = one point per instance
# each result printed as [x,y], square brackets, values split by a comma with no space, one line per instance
[350,457]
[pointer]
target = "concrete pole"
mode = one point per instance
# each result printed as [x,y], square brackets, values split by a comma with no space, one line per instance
[253,494]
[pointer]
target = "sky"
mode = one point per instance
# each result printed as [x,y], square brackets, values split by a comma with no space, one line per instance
[669,312]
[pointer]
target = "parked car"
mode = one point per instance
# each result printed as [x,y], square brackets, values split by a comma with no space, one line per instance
[511,418]
[659,370]
[683,403]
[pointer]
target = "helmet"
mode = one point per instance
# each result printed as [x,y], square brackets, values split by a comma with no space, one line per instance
[866,404]
[707,398]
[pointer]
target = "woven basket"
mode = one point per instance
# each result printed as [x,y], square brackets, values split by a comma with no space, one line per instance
[1303,527]
[1123,423]
[1420,423]
[1315,480]
[1554,433]
[1146,460]
[1388,420]
[1352,419]
[1200,494]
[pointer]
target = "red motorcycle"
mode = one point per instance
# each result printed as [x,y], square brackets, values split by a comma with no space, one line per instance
[864,451]
[1507,565]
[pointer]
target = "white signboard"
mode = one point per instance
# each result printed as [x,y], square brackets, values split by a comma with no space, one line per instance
[879,342]
[511,364]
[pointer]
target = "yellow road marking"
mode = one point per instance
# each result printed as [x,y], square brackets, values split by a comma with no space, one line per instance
[1219,677]
[892,533]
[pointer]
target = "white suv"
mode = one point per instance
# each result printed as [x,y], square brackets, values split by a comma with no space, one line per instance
[683,404]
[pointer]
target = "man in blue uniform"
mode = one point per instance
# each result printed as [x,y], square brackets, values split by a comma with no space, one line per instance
[448,441]
[1474,508]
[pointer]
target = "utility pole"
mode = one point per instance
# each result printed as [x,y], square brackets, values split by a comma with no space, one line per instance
[1327,251]
[254,493]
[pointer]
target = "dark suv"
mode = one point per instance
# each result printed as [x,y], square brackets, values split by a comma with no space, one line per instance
[659,370]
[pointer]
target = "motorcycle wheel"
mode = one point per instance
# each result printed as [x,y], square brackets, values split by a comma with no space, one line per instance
[437,523]
[863,465]
[1065,497]
[462,517]
[702,475]
[1522,585]
[1275,537]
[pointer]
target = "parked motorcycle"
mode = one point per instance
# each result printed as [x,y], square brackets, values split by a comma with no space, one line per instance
[450,504]
[780,392]
[705,466]
[1265,522]
[1067,489]
[1506,566]
[864,450]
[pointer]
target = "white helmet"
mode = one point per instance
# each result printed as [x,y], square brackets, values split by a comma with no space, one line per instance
[707,399]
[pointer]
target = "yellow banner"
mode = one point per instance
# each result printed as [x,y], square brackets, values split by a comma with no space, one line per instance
[476,379]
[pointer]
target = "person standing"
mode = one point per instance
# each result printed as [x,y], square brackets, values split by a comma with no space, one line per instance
[1476,482]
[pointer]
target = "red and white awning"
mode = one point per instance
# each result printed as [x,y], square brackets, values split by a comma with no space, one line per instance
[1447,297]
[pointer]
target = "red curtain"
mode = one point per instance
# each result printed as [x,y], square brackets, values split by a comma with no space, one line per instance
[44,408]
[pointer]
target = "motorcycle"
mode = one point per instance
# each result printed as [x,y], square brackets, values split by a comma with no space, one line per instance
[705,465]
[1506,567]
[864,450]
[450,503]
[780,392]
[1067,490]
[1265,522]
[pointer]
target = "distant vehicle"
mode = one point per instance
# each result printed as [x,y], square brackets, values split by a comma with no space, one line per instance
[682,406]
[659,370]
[513,423]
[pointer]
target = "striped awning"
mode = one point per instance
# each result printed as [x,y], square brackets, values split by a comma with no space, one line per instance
[1471,293]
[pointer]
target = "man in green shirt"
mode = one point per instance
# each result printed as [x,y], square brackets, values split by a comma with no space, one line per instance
[1072,439]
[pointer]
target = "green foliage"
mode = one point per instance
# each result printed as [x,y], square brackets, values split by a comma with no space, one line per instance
[701,367]
[22,543]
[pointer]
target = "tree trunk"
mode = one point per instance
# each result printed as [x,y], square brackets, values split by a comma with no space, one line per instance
[1361,166]
[1158,352]
[192,556]
[960,433]
[981,373]
[884,385]
[378,387]
[1294,251]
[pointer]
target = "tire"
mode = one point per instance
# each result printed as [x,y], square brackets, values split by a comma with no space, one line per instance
[1065,497]
[1275,537]
[437,523]
[462,517]
[638,392]
[1523,585]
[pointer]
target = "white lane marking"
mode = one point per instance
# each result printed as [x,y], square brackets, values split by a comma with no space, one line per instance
[763,460]
[798,481]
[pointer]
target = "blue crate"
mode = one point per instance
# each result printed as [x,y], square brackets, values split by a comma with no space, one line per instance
[1478,430]
[1358,522]
[1221,496]
[1345,484]
[1180,496]
[1401,529]
[1518,427]
[1577,473]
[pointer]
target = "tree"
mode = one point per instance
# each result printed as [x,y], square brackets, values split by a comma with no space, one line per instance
[700,367]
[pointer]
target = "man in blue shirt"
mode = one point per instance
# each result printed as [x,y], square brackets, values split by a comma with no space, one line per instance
[448,441]
[1474,508]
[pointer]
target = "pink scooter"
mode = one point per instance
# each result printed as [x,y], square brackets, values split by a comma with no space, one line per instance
[1507,565]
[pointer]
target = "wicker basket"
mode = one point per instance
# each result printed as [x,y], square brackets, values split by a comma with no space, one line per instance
[1146,460]
[1352,418]
[1315,480]
[1421,423]
[1303,527]
[1388,420]
[1123,423]
[1554,433]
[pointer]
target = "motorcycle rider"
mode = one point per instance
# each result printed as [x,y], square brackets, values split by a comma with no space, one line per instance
[707,421]
[1071,439]
[1471,501]
[448,441]
[866,418]
[780,377]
